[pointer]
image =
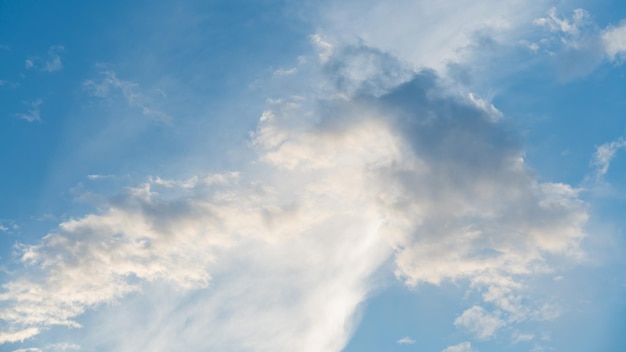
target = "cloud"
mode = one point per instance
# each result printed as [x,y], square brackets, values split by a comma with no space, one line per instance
[54,60]
[94,177]
[425,33]
[55,347]
[577,43]
[51,64]
[63,346]
[580,33]
[382,164]
[31,349]
[18,335]
[572,26]
[604,154]
[521,337]
[614,39]
[574,42]
[110,84]
[479,322]
[324,48]
[33,113]
[406,341]
[462,347]
[285,72]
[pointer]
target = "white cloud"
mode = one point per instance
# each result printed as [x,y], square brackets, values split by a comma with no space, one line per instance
[479,322]
[324,48]
[110,84]
[579,45]
[462,347]
[571,26]
[94,177]
[614,39]
[285,72]
[604,154]
[573,42]
[487,106]
[33,112]
[406,341]
[18,335]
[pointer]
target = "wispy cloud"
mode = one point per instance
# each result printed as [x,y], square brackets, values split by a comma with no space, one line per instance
[519,337]
[462,347]
[578,43]
[33,112]
[479,322]
[571,26]
[604,155]
[406,341]
[109,84]
[51,63]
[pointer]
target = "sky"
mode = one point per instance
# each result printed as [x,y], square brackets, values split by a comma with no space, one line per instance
[315,176]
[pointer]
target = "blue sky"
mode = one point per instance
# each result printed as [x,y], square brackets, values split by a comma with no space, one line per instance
[274,175]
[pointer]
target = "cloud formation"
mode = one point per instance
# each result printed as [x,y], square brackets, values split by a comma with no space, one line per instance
[383,164]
